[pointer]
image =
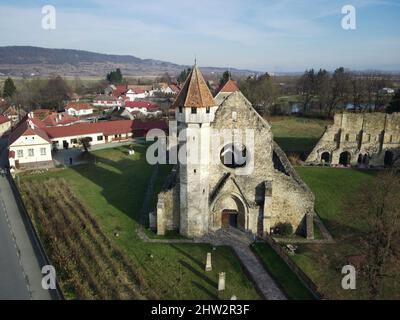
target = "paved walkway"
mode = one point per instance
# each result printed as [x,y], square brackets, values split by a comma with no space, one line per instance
[240,243]
[20,257]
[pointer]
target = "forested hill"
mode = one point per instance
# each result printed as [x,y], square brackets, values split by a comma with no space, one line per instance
[26,60]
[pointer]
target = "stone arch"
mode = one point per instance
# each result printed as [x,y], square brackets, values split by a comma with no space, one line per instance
[345,158]
[360,159]
[326,157]
[229,209]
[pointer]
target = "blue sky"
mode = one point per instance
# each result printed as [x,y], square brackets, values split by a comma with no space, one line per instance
[269,35]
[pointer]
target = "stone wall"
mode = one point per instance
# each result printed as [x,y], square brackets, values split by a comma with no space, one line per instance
[368,138]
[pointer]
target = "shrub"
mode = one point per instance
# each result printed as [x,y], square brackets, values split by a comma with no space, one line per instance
[284,229]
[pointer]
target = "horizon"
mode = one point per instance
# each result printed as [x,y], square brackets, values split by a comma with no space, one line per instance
[277,36]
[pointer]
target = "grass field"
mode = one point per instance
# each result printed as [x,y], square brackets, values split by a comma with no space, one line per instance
[282,274]
[113,190]
[297,135]
[323,262]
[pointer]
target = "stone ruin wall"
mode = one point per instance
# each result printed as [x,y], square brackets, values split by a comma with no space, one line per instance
[365,136]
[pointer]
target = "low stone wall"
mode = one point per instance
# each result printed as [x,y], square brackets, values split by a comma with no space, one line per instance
[308,283]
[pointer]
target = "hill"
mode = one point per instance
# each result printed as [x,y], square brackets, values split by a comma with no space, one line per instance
[27,60]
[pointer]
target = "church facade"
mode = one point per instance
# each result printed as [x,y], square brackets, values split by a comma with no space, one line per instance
[255,194]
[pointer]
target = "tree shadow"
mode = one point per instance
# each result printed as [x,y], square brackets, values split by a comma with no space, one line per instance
[205,290]
[198,273]
[125,183]
[200,264]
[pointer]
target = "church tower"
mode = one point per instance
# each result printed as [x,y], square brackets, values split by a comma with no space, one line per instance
[195,110]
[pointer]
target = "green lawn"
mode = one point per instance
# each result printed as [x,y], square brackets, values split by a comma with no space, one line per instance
[323,262]
[331,187]
[278,269]
[297,135]
[114,190]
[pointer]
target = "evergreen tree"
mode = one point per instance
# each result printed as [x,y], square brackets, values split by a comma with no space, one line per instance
[115,76]
[9,88]
[225,78]
[394,105]
[183,75]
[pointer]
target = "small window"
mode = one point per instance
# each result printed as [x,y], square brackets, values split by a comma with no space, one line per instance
[194,110]
[208,110]
[31,152]
[42,151]
[99,138]
[74,141]
[180,109]
[234,116]
[20,153]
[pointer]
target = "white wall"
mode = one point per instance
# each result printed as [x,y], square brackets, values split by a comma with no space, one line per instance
[94,136]
[41,149]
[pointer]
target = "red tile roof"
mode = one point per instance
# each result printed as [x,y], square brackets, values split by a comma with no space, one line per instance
[27,127]
[230,86]
[107,128]
[141,104]
[4,119]
[195,92]
[78,105]
[59,119]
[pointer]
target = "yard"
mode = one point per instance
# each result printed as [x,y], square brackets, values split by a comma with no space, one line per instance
[113,190]
[323,262]
[297,135]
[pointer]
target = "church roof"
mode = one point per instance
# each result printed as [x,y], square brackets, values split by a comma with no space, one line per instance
[230,86]
[195,92]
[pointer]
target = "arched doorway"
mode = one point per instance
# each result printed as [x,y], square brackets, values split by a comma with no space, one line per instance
[360,159]
[326,157]
[229,211]
[345,158]
[388,159]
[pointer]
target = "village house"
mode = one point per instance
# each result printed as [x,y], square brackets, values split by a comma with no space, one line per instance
[78,109]
[5,124]
[142,106]
[31,142]
[106,101]
[55,119]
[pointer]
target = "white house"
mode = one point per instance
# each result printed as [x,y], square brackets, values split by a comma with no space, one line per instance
[29,147]
[78,109]
[106,101]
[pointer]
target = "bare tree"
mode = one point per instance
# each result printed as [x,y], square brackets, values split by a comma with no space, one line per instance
[377,207]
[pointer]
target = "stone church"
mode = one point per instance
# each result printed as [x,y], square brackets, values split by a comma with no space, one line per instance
[199,198]
[360,139]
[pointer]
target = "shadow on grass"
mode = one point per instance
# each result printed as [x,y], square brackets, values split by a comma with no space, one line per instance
[190,257]
[198,274]
[124,181]
[205,290]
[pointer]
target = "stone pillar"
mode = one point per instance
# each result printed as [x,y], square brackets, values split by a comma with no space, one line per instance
[310,225]
[160,217]
[267,216]
[221,281]
[208,262]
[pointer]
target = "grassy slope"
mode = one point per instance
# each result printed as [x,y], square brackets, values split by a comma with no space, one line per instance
[295,134]
[279,270]
[114,189]
[323,263]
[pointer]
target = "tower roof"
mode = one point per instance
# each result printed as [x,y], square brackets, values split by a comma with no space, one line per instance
[230,86]
[195,92]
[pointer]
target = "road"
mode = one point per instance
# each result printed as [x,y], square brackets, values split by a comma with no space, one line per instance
[20,256]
